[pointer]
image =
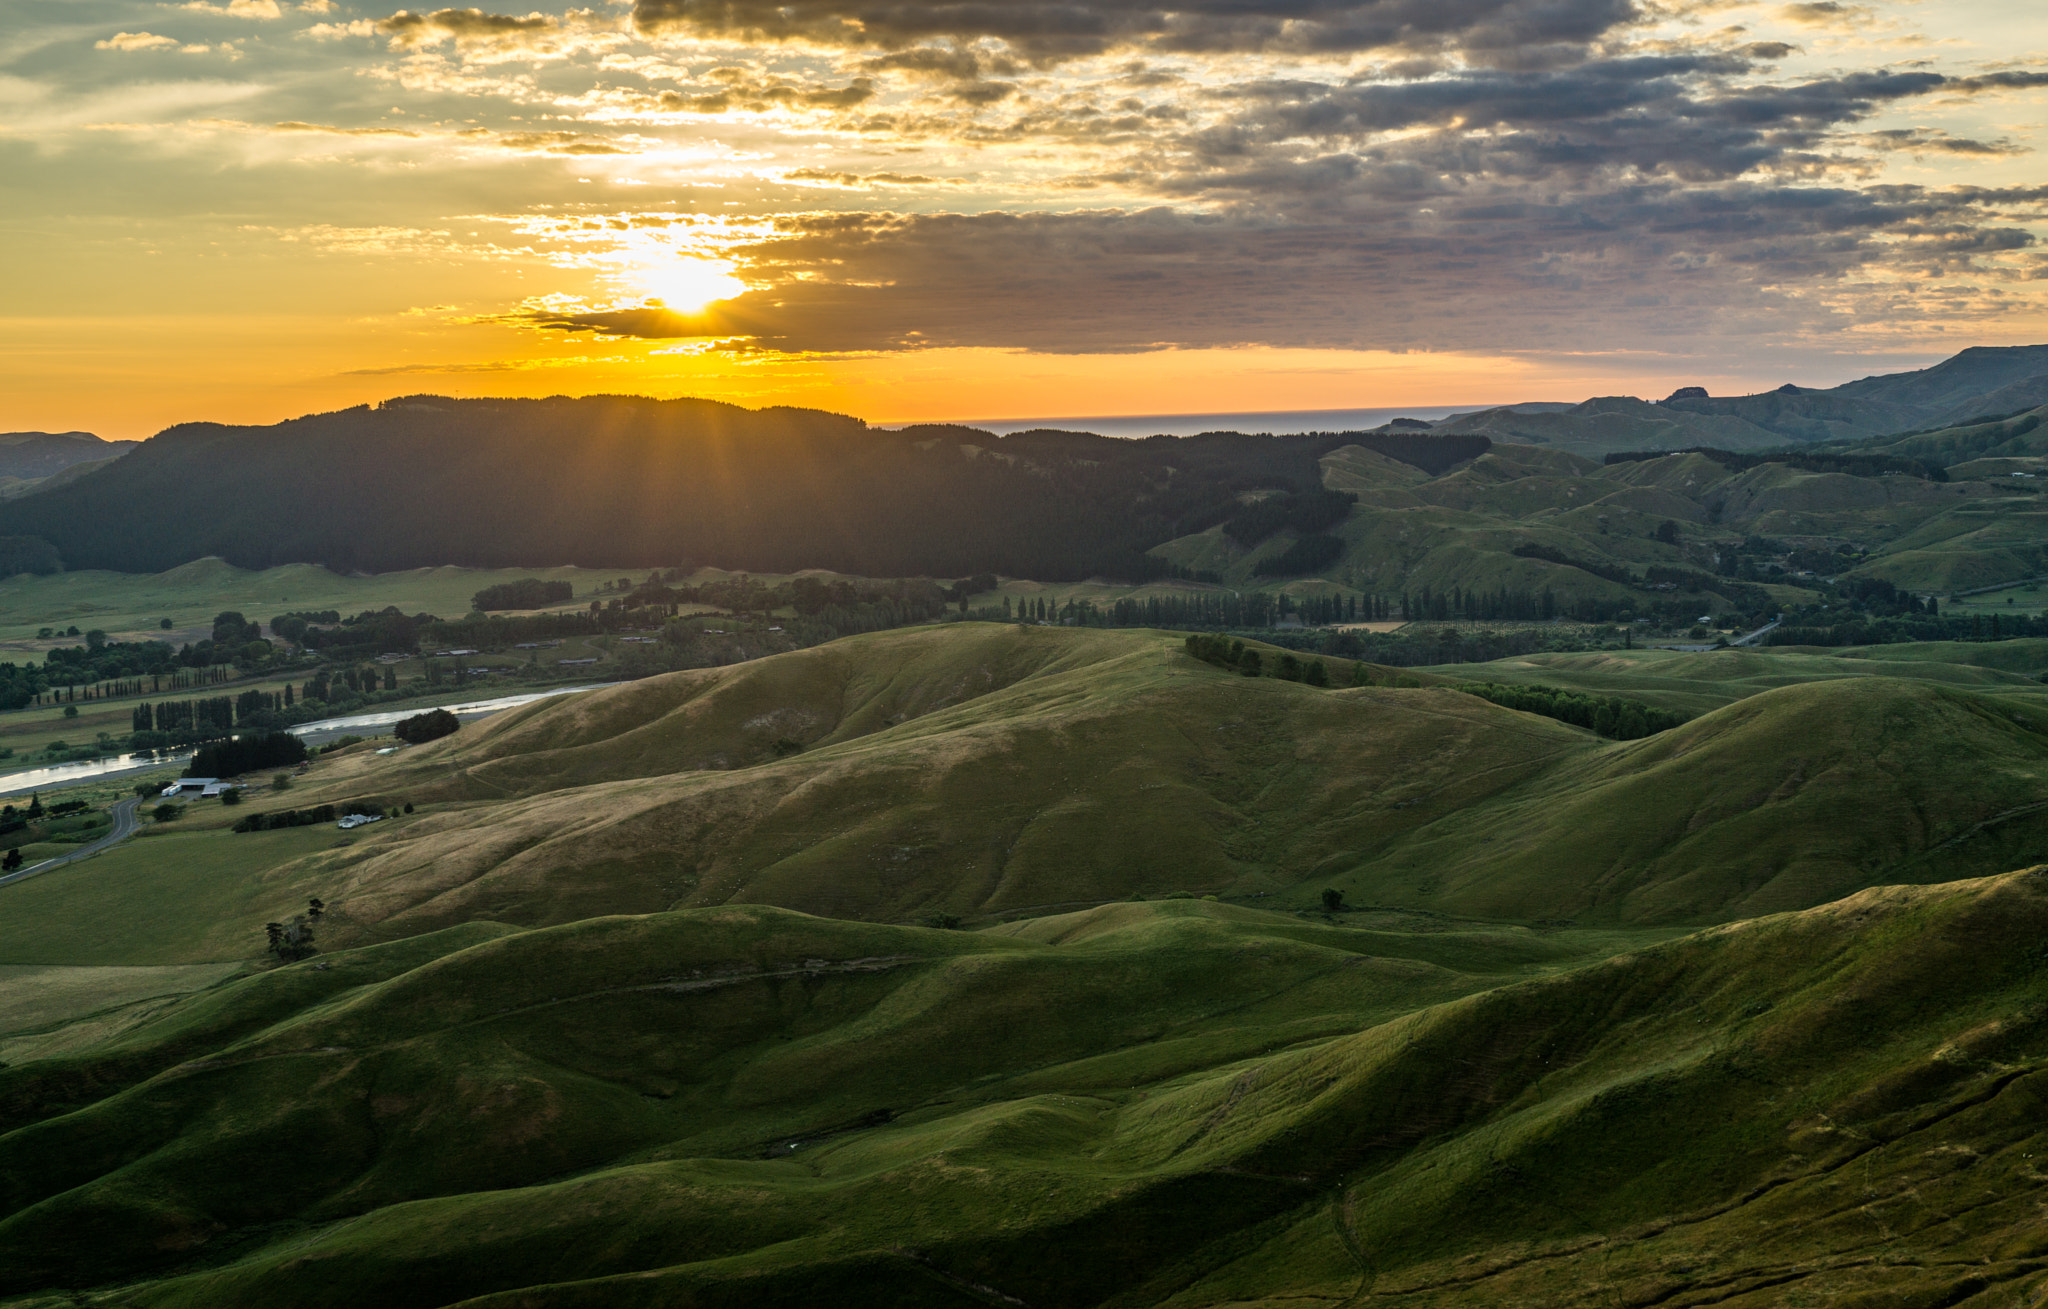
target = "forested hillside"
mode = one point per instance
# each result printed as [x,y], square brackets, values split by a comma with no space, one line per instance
[633,482]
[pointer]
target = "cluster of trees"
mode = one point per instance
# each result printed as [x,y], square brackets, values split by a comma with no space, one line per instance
[1306,512]
[292,626]
[100,669]
[1237,657]
[429,726]
[1306,555]
[839,606]
[525,593]
[292,941]
[931,501]
[1859,629]
[28,554]
[181,722]
[366,679]
[14,820]
[493,633]
[1656,577]
[1216,609]
[371,632]
[1549,554]
[1807,461]
[1426,647]
[286,818]
[246,754]
[1616,719]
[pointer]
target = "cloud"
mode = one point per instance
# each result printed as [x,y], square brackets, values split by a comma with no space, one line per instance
[857,181]
[1825,13]
[1927,140]
[132,41]
[290,127]
[407,28]
[740,92]
[1649,264]
[1049,31]
[237,8]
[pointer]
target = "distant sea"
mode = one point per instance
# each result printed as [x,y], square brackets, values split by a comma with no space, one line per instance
[1279,422]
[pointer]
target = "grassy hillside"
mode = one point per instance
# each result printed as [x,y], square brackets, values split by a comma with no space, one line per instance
[1176,1103]
[995,771]
[1696,683]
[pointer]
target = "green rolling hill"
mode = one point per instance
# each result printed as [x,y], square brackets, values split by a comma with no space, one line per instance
[990,964]
[1168,1103]
[992,771]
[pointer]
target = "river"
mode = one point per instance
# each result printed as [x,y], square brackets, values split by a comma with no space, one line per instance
[315,733]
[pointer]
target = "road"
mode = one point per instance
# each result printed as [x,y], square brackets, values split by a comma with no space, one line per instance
[1761,631]
[126,824]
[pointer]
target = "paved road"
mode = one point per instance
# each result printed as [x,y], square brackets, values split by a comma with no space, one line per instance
[126,824]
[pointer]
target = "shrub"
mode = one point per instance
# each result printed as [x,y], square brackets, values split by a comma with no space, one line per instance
[164,813]
[1333,900]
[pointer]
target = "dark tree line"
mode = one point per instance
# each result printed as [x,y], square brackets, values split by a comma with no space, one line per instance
[1608,716]
[1853,465]
[525,593]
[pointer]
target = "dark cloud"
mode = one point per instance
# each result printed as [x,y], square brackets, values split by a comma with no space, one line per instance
[407,28]
[1924,140]
[1051,30]
[747,94]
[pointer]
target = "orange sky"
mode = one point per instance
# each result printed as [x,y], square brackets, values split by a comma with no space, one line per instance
[244,210]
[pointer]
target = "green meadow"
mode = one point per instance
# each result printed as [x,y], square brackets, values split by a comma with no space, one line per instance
[130,606]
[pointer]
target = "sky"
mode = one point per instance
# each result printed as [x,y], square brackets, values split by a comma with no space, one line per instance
[917,210]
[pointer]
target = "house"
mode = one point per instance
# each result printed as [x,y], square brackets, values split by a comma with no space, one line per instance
[203,787]
[358,820]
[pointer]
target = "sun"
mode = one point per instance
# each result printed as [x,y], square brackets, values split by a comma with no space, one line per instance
[688,285]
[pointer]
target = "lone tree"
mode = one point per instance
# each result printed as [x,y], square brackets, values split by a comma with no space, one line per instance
[12,861]
[1333,900]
